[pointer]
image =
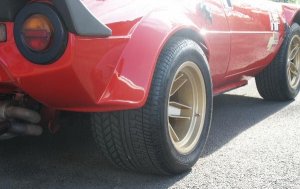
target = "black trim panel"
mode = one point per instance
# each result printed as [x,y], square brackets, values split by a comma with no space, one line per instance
[77,18]
[9,9]
[80,20]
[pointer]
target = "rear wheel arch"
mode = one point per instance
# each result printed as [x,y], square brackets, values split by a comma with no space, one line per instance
[137,63]
[144,64]
[193,35]
[296,18]
[291,15]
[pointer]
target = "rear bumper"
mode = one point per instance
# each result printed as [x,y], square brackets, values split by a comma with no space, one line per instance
[77,81]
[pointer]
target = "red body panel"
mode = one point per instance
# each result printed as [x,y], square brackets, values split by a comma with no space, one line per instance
[115,73]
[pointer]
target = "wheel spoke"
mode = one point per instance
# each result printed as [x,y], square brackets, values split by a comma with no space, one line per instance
[179,117]
[290,74]
[178,83]
[293,66]
[175,111]
[180,105]
[293,69]
[173,133]
[179,77]
[294,52]
[294,72]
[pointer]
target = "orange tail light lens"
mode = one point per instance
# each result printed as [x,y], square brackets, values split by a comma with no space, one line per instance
[37,32]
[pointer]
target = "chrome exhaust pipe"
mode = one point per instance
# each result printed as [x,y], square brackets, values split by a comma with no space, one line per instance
[13,112]
[18,128]
[16,121]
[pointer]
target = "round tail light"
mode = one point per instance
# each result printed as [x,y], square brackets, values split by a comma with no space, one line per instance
[37,32]
[40,34]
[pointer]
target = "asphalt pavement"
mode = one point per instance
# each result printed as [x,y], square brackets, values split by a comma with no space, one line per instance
[252,144]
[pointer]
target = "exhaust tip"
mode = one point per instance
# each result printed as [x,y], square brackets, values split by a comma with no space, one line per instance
[18,128]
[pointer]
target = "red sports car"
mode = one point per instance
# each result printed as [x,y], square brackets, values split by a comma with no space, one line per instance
[146,70]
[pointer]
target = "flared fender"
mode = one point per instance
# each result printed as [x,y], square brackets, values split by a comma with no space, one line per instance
[132,78]
[291,13]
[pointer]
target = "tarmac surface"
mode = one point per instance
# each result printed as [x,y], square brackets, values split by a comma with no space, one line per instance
[252,144]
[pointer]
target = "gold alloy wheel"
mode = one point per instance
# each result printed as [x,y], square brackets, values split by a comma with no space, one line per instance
[187,107]
[293,67]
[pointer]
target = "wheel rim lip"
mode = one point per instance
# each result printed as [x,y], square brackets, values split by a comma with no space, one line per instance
[293,80]
[189,142]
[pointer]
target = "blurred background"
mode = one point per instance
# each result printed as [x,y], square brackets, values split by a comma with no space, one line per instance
[288,1]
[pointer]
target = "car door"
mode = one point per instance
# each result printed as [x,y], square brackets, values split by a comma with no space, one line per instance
[216,33]
[251,34]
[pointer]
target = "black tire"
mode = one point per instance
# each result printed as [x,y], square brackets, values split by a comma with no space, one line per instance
[139,139]
[273,82]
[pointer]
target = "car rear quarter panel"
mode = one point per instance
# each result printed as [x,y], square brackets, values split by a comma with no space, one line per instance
[100,74]
[132,78]
[291,13]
